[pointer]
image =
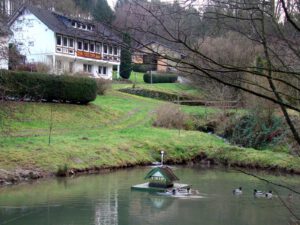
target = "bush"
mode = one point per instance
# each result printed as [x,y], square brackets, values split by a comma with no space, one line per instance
[160,78]
[39,86]
[103,86]
[256,131]
[62,171]
[142,68]
[34,67]
[170,116]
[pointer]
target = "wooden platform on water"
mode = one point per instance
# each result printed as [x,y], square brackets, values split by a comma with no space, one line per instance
[145,187]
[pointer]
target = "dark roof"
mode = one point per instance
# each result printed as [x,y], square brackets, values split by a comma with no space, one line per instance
[4,29]
[165,171]
[56,22]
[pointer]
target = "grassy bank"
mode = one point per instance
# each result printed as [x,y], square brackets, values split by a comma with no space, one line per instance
[113,131]
[169,88]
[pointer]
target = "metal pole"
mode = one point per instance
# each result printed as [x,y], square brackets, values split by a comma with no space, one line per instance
[162,158]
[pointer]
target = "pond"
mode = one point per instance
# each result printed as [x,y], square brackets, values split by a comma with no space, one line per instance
[106,199]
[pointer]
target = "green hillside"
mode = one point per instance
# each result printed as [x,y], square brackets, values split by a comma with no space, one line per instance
[115,130]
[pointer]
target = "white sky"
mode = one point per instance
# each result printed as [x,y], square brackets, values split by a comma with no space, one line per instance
[196,2]
[112,3]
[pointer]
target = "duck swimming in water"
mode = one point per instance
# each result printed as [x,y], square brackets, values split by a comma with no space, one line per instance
[269,194]
[237,191]
[259,194]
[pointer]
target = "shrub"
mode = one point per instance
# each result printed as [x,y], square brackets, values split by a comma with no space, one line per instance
[103,86]
[39,86]
[82,74]
[170,116]
[62,171]
[160,77]
[29,67]
[33,67]
[142,68]
[256,131]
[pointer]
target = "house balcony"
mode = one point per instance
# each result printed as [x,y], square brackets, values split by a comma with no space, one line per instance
[89,55]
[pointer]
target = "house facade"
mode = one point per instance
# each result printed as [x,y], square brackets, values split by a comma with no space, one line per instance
[66,45]
[4,39]
[157,56]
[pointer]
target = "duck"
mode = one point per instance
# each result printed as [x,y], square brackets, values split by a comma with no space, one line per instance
[237,191]
[259,194]
[269,194]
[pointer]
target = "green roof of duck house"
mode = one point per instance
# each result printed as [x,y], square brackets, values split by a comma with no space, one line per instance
[164,171]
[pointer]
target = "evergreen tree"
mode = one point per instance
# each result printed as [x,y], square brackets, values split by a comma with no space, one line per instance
[86,5]
[126,67]
[102,12]
[121,3]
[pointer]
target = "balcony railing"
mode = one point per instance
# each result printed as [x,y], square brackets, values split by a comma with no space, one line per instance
[65,50]
[85,54]
[112,58]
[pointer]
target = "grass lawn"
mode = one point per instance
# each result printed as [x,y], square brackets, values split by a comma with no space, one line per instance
[171,88]
[114,130]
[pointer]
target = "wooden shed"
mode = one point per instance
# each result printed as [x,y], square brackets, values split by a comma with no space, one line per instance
[161,177]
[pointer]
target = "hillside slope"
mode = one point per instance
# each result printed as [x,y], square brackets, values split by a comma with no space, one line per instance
[113,131]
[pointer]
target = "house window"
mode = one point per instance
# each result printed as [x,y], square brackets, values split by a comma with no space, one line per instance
[98,48]
[110,50]
[58,40]
[79,45]
[105,49]
[83,26]
[65,41]
[115,50]
[87,68]
[89,27]
[92,47]
[90,67]
[86,46]
[71,43]
[102,70]
[73,24]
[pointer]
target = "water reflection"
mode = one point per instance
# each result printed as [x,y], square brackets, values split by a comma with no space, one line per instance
[107,200]
[160,202]
[106,213]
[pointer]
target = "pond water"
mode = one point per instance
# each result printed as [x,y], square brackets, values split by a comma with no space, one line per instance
[106,199]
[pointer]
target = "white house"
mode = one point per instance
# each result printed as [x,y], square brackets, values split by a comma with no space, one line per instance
[4,39]
[67,45]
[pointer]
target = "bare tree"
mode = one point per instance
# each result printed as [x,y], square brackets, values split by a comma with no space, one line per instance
[270,28]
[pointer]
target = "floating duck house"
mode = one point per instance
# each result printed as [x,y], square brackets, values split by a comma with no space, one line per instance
[160,179]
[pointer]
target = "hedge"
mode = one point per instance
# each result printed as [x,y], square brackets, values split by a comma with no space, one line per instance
[39,86]
[142,68]
[160,77]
